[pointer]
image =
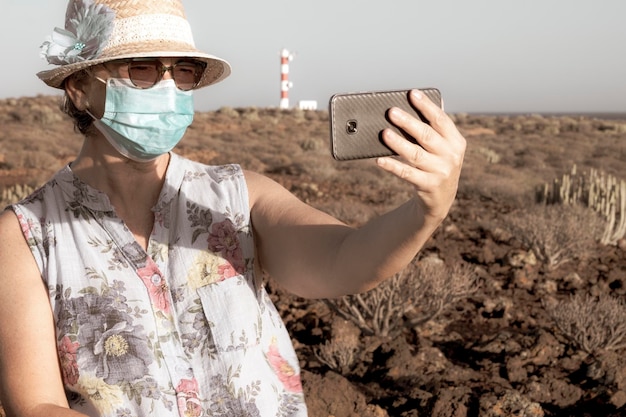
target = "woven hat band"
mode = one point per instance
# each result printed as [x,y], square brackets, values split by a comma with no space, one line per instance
[149,29]
[128,8]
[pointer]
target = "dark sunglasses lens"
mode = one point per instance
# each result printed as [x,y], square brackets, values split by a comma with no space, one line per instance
[187,74]
[144,74]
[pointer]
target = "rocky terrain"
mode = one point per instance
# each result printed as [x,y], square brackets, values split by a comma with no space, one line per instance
[537,326]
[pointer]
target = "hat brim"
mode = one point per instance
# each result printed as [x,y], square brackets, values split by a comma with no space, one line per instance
[217,69]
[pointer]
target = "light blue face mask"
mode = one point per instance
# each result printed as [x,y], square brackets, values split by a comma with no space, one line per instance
[143,124]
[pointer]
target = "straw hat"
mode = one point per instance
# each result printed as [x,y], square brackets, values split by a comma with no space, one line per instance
[98,31]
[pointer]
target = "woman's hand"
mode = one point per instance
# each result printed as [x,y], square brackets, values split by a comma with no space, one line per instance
[433,166]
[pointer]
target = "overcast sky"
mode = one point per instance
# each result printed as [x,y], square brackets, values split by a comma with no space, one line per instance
[484,55]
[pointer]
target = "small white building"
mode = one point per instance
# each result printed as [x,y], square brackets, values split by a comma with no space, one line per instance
[307,104]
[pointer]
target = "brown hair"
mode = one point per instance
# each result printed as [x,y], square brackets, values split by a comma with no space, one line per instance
[82,119]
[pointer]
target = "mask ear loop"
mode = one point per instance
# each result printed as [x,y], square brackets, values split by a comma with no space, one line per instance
[87,106]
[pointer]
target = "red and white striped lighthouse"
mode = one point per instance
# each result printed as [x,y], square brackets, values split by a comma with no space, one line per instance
[285,85]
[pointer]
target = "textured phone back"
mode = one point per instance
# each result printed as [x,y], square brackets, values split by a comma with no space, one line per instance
[358,119]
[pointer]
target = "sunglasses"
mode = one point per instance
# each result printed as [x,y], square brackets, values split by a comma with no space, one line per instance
[146,72]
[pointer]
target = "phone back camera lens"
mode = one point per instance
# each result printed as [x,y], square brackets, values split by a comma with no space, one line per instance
[351,127]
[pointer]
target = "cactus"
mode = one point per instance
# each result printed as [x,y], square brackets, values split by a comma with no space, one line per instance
[14,194]
[599,191]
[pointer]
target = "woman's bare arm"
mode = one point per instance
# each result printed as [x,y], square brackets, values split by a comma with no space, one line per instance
[30,377]
[314,255]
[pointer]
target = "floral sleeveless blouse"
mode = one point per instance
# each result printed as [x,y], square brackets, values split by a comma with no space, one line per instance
[184,329]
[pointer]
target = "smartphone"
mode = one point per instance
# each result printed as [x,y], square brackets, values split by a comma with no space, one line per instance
[358,119]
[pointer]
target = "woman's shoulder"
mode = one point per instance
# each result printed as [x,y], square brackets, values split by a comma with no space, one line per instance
[8,222]
[49,193]
[12,235]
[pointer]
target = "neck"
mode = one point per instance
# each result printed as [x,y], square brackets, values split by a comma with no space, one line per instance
[126,182]
[133,187]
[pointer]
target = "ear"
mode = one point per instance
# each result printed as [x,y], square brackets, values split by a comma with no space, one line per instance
[76,91]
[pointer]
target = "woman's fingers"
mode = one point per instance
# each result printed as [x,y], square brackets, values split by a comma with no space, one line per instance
[433,165]
[428,135]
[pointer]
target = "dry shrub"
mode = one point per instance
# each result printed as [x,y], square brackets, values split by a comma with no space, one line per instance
[434,286]
[556,234]
[498,182]
[409,299]
[35,159]
[591,323]
[228,112]
[340,353]
[41,111]
[321,169]
[492,187]
[312,144]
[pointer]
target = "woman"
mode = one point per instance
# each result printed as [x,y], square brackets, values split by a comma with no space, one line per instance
[130,283]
